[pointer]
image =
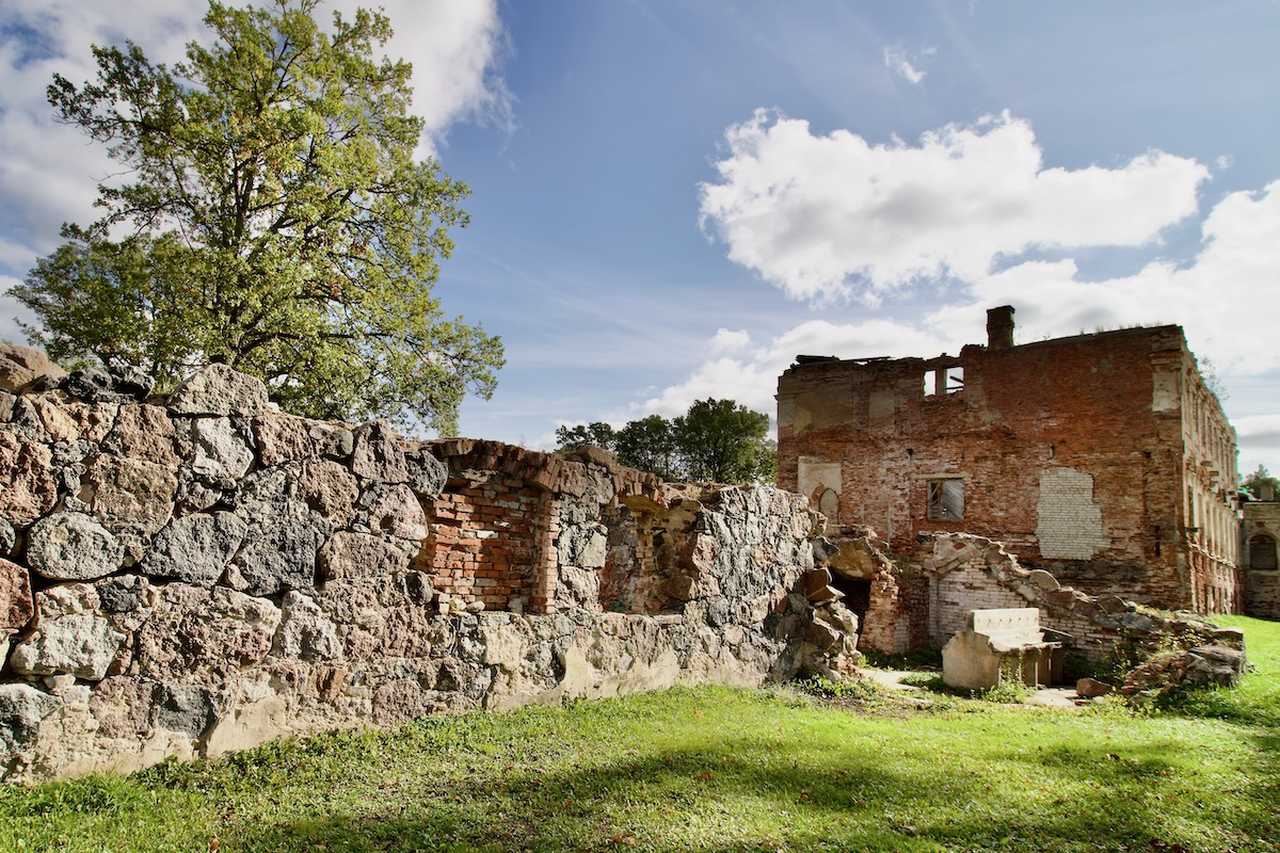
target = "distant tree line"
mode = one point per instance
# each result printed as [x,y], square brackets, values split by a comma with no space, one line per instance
[717,441]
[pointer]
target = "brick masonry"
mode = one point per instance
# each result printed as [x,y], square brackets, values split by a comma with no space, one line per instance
[1102,458]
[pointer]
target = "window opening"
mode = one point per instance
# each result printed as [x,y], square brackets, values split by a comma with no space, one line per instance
[946,499]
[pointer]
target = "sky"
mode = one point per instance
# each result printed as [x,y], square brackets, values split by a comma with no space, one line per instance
[673,199]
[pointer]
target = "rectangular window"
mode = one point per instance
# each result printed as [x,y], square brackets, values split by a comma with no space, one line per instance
[955,379]
[929,379]
[946,499]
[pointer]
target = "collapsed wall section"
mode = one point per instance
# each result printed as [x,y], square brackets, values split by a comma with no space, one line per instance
[197,573]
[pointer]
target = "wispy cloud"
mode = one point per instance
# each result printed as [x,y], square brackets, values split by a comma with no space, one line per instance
[897,61]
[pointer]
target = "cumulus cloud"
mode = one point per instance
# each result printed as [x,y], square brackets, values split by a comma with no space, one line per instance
[729,340]
[1225,298]
[896,60]
[49,172]
[751,377]
[825,216]
[1224,162]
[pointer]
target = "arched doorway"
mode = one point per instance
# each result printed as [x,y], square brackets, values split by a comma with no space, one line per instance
[1262,552]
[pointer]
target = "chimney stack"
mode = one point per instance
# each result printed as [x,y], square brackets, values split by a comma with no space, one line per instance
[1000,327]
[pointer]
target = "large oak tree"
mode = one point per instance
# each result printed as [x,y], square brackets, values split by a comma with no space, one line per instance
[271,215]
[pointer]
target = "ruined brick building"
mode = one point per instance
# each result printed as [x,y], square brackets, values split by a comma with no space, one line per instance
[1102,458]
[1260,554]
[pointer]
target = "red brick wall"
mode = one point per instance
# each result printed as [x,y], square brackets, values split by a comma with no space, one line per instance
[1033,430]
[485,543]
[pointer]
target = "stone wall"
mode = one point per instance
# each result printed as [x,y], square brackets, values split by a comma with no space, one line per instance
[1101,458]
[192,574]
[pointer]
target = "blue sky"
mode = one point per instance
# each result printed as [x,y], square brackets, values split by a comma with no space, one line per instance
[672,198]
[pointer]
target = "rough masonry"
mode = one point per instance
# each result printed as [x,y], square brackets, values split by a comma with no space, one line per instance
[1102,458]
[189,574]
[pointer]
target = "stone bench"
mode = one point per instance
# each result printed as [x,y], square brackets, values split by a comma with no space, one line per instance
[1000,644]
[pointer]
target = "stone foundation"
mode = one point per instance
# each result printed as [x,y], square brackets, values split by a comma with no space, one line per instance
[189,575]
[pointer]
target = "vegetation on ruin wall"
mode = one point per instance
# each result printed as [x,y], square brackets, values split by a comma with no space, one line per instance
[271,213]
[714,769]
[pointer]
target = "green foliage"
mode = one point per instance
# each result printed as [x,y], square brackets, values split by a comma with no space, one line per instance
[274,218]
[650,444]
[1007,692]
[1260,477]
[721,441]
[857,690]
[596,434]
[717,441]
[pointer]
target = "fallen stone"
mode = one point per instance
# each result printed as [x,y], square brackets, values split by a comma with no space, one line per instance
[220,454]
[79,644]
[196,548]
[219,390]
[377,455]
[22,367]
[17,607]
[26,470]
[1214,666]
[1091,688]
[22,709]
[72,546]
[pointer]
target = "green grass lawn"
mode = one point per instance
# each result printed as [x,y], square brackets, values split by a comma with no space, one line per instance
[716,769]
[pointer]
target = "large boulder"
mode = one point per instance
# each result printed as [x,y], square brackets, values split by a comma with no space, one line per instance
[26,472]
[73,546]
[221,455]
[355,555]
[22,366]
[220,390]
[144,432]
[79,644]
[196,548]
[377,454]
[22,708]
[128,493]
[16,604]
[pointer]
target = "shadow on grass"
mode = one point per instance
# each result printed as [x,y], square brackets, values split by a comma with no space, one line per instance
[854,803]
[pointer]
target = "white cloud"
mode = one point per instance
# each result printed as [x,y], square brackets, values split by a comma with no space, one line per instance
[49,172]
[752,378]
[1226,299]
[823,216]
[728,340]
[896,60]
[1224,162]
